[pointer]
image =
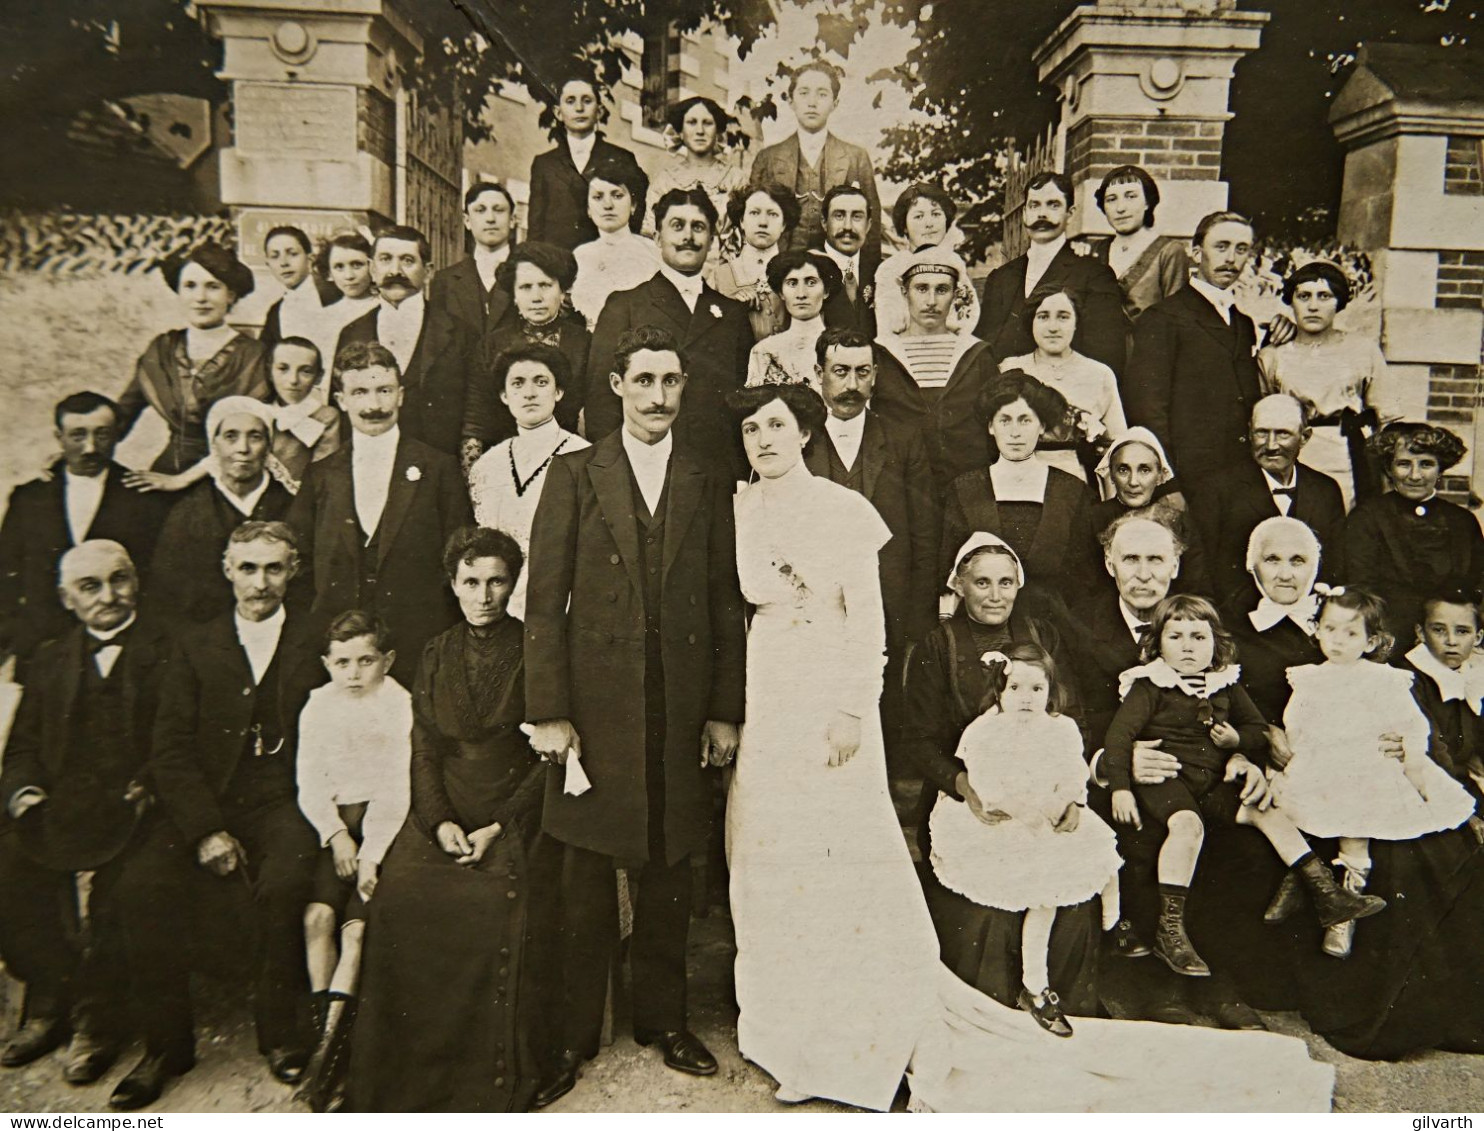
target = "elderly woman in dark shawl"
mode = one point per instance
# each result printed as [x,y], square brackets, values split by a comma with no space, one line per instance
[184,372]
[945,683]
[1413,979]
[449,1006]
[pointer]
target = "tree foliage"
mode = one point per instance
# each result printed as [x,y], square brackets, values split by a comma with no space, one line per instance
[971,69]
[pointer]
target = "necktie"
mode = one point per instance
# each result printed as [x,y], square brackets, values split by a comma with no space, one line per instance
[852,284]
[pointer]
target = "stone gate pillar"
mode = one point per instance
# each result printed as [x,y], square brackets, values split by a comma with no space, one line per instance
[1146,83]
[315,86]
[1411,119]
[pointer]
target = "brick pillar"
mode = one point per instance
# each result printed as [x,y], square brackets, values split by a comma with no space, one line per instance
[1147,84]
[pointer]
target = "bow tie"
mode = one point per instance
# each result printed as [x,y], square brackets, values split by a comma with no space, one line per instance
[95,645]
[1288,491]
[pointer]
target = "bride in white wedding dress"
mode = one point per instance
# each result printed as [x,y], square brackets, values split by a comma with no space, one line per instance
[837,974]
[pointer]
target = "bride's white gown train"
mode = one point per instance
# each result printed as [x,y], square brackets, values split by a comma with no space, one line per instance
[837,974]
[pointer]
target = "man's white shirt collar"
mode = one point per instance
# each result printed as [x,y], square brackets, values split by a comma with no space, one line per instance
[487,261]
[248,502]
[107,655]
[581,149]
[850,263]
[811,145]
[259,639]
[1284,502]
[82,495]
[1221,299]
[689,286]
[649,462]
[371,460]
[1038,257]
[398,327]
[846,435]
[1136,627]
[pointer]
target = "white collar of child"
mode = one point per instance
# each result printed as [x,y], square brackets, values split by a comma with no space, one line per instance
[1162,675]
[1467,683]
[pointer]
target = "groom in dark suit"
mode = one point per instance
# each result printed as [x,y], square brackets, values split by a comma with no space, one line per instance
[374,517]
[634,662]
[711,330]
[1050,261]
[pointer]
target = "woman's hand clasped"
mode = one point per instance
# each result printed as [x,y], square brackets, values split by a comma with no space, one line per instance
[479,843]
[844,737]
[452,840]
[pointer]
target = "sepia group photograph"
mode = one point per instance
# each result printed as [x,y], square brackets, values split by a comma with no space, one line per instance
[741,557]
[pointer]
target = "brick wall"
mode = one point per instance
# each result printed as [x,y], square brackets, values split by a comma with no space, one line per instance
[1180,150]
[1463,174]
[1452,393]
[1460,279]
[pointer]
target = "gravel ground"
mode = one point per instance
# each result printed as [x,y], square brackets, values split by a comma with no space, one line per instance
[231,1077]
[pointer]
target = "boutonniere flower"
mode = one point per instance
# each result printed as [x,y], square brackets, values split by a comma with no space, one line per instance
[414,473]
[715,311]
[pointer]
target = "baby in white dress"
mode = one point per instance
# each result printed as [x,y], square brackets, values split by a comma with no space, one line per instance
[1025,840]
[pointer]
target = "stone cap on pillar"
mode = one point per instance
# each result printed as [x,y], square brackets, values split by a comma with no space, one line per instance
[1151,58]
[1407,88]
[361,42]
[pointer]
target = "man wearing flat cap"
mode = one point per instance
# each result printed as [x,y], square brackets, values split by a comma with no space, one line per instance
[72,794]
[186,575]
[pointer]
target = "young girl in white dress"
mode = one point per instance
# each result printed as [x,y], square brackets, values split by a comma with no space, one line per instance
[1046,849]
[1338,783]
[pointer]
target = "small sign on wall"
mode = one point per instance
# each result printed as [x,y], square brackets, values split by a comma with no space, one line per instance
[254,224]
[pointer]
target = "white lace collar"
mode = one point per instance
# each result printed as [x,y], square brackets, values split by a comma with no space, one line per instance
[1162,675]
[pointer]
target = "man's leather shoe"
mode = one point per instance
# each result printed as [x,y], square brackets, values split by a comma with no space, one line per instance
[88,1057]
[147,1079]
[1171,1012]
[683,1051]
[287,1065]
[1236,1015]
[562,1080]
[33,1040]
[1124,941]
